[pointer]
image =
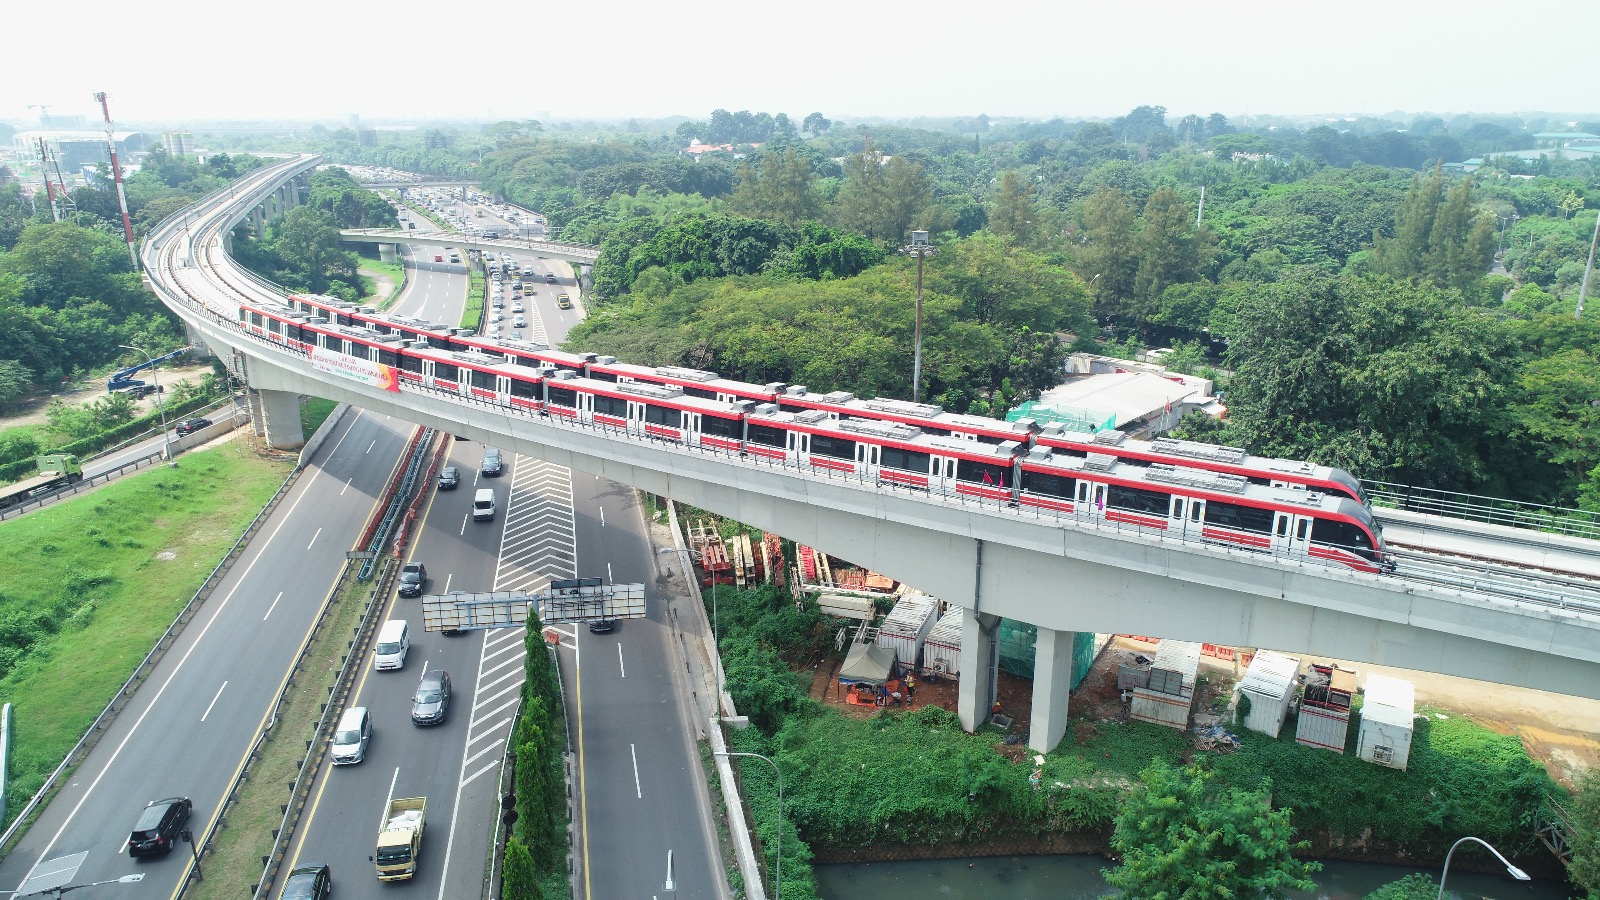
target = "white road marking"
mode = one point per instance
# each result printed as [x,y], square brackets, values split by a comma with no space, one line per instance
[637,790]
[214,700]
[348,480]
[622,666]
[371,445]
[447,578]
[273,606]
[389,799]
[314,538]
[489,768]
[608,573]
[463,531]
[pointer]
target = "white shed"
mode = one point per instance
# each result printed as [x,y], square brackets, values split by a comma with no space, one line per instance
[941,652]
[1386,721]
[1270,685]
[908,625]
[1165,699]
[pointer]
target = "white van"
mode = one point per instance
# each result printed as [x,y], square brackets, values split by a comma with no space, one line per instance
[393,642]
[350,738]
[483,505]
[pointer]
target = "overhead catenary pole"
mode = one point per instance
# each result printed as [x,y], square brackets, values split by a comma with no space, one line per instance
[921,249]
[116,172]
[1584,289]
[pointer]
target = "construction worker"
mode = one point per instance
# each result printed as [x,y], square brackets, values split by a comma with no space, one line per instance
[911,687]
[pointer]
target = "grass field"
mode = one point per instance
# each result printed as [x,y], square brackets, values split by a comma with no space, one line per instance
[95,581]
[313,412]
[472,316]
[395,272]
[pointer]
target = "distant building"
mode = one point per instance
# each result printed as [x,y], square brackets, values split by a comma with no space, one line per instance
[76,149]
[179,144]
[696,150]
[1145,399]
[1561,139]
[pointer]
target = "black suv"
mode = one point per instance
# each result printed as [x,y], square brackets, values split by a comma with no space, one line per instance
[158,826]
[412,578]
[492,466]
[310,881]
[190,426]
[432,702]
[449,478]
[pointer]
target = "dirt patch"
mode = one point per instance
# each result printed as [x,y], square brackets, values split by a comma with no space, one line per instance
[33,410]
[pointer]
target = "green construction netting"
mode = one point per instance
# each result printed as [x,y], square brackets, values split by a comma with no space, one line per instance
[1017,649]
[1086,421]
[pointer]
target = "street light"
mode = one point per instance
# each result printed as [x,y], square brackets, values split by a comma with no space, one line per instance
[68,888]
[778,871]
[161,407]
[1513,871]
[921,249]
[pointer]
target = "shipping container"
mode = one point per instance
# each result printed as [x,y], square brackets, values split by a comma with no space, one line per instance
[1387,715]
[1325,708]
[908,625]
[1167,697]
[941,652]
[1269,685]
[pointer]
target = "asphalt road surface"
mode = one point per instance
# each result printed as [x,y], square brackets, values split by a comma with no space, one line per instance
[189,727]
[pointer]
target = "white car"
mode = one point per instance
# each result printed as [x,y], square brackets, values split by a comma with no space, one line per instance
[497,317]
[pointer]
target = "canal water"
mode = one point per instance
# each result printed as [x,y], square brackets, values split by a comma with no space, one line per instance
[1078,878]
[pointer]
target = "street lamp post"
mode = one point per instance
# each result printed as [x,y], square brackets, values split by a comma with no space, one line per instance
[921,249]
[777,871]
[1583,290]
[57,891]
[1511,870]
[166,437]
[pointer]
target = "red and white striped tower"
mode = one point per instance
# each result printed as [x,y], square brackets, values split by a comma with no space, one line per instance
[49,186]
[116,171]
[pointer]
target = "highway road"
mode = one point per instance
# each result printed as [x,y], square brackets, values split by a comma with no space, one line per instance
[189,727]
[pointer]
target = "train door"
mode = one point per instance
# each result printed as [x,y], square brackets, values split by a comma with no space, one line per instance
[691,428]
[1090,500]
[799,449]
[867,456]
[502,389]
[1186,516]
[941,474]
[427,372]
[1291,533]
[585,407]
[635,417]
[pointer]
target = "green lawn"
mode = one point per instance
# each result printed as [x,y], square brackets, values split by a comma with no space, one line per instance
[313,412]
[97,580]
[395,272]
[472,316]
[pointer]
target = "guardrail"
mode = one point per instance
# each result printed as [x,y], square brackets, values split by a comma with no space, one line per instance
[1479,508]
[147,665]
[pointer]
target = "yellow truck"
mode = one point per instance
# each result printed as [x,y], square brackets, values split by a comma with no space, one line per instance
[400,838]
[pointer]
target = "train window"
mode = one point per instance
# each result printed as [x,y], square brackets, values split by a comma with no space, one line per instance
[1283,526]
[342,319]
[598,375]
[293,331]
[1048,484]
[663,415]
[838,448]
[483,380]
[936,432]
[990,439]
[438,343]
[561,396]
[520,388]
[1301,529]
[274,326]
[983,473]
[905,460]
[610,406]
[446,371]
[1138,500]
[703,393]
[766,435]
[388,357]
[411,364]
[1238,516]
[255,318]
[1341,534]
[717,426]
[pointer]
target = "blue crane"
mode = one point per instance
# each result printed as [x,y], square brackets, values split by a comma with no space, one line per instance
[123,380]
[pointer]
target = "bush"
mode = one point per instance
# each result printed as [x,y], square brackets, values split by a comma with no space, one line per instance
[1416,886]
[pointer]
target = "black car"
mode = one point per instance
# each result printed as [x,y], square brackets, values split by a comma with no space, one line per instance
[449,478]
[190,426]
[432,702]
[158,826]
[602,626]
[492,465]
[310,881]
[412,578]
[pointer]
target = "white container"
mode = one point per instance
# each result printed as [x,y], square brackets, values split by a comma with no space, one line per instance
[1166,700]
[840,607]
[941,652]
[1269,684]
[1386,722]
[1325,708]
[908,625]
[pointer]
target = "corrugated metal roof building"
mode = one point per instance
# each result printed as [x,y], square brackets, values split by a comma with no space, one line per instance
[1169,693]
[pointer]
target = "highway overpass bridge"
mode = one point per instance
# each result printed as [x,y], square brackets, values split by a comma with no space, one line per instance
[997,561]
[579,254]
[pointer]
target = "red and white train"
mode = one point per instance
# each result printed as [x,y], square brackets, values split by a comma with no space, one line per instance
[1197,491]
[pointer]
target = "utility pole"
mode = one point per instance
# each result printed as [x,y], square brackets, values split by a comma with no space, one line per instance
[1584,289]
[49,187]
[921,249]
[116,171]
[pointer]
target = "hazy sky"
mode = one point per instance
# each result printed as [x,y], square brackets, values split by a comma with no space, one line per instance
[171,62]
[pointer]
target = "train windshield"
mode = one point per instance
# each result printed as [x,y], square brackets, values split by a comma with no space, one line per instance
[1352,486]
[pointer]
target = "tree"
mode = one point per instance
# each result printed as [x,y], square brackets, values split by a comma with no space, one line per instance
[1437,239]
[521,876]
[1109,263]
[1181,841]
[1584,868]
[816,123]
[15,379]
[882,200]
[1168,248]
[1415,886]
[310,239]
[780,190]
[1013,217]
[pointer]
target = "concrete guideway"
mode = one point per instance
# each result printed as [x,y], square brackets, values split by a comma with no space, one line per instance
[584,254]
